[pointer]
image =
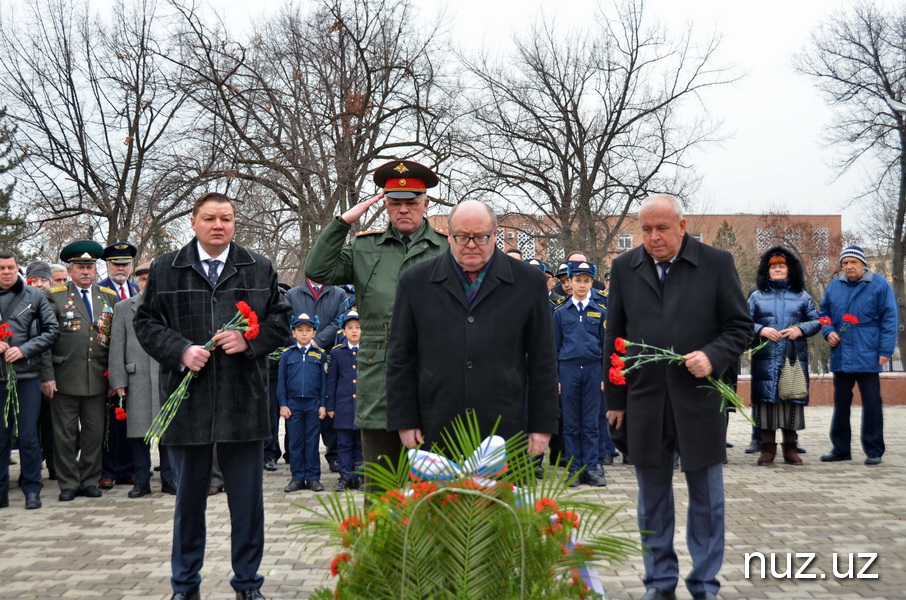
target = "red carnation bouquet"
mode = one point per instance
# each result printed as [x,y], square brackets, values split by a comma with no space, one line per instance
[12,393]
[245,320]
[848,321]
[620,367]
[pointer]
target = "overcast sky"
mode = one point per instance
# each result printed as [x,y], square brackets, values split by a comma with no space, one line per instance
[774,157]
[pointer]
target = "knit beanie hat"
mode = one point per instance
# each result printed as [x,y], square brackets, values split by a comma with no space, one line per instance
[854,252]
[38,269]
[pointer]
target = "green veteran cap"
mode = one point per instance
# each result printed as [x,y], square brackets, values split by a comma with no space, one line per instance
[84,251]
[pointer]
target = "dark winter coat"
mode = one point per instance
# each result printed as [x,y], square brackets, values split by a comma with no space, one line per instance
[449,358]
[34,326]
[331,303]
[701,307]
[228,400]
[779,304]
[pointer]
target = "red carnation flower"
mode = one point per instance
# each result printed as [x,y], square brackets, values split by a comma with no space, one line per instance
[616,377]
[620,345]
[824,321]
[350,523]
[544,504]
[252,332]
[120,413]
[617,362]
[567,517]
[244,308]
[851,319]
[337,561]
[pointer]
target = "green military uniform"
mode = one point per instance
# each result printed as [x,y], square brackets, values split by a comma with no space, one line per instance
[78,363]
[372,262]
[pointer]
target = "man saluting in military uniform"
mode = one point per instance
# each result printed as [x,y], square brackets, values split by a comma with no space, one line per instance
[373,262]
[74,379]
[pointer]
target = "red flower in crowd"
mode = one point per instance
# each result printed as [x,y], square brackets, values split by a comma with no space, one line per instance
[616,377]
[620,345]
[851,319]
[544,504]
[252,332]
[824,320]
[5,333]
[350,523]
[106,373]
[617,362]
[120,413]
[337,561]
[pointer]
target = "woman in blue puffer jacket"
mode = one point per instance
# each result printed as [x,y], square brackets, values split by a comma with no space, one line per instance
[779,302]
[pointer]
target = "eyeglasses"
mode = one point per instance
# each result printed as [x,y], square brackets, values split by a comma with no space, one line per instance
[463,240]
[410,204]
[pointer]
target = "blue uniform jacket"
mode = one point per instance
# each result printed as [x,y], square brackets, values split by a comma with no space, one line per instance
[871,300]
[580,338]
[342,377]
[298,378]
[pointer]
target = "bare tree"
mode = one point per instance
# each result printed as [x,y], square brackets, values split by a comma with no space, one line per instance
[578,126]
[313,100]
[858,59]
[100,119]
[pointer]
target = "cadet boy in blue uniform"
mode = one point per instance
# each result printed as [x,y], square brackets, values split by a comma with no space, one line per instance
[341,393]
[300,389]
[579,338]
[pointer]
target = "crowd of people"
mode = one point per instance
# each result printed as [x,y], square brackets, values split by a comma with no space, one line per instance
[392,335]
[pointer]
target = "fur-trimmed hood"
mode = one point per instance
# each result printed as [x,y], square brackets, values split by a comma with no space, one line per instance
[796,276]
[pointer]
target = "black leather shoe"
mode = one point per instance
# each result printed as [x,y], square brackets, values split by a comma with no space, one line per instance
[873,460]
[168,487]
[831,457]
[345,483]
[594,478]
[4,501]
[315,486]
[32,501]
[249,595]
[91,492]
[656,594]
[295,486]
[729,444]
[704,596]
[334,466]
[608,460]
[183,596]
[139,489]
[270,465]
[68,495]
[576,479]
[753,447]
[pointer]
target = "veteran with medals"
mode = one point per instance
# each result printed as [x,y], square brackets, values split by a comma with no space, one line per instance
[74,378]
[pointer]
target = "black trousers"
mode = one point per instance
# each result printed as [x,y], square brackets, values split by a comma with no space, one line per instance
[242,474]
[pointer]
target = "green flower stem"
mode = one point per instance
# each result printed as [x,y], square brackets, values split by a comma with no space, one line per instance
[11,406]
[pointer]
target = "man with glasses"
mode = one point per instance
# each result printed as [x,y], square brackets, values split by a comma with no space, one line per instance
[471,332]
[373,262]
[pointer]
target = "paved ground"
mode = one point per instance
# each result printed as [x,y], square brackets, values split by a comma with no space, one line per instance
[114,547]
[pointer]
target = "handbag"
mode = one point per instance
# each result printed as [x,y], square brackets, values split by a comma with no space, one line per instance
[791,384]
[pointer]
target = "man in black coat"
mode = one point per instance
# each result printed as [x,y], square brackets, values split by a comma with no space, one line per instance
[192,293]
[471,329]
[675,292]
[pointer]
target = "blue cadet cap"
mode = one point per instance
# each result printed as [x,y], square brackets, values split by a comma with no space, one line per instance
[352,315]
[304,318]
[577,267]
[562,269]
[535,263]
